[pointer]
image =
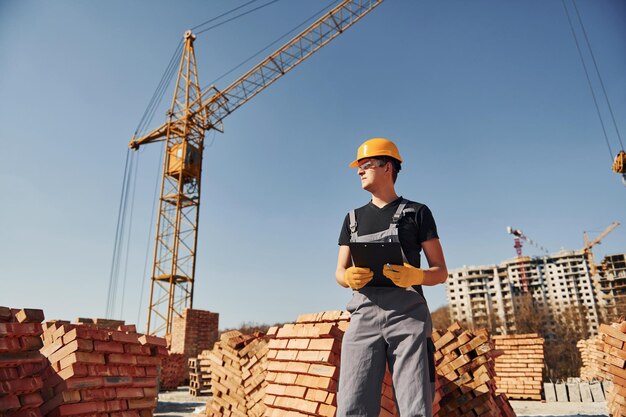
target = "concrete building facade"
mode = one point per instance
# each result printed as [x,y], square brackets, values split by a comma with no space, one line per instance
[489,295]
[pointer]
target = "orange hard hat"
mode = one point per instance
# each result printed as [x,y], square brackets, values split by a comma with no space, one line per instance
[376,147]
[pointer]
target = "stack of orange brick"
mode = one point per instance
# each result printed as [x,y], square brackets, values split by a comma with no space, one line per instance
[466,375]
[593,357]
[98,371]
[21,364]
[238,371]
[304,360]
[174,372]
[193,332]
[614,338]
[519,370]
[303,365]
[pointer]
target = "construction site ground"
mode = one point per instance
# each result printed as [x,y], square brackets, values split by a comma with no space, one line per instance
[179,403]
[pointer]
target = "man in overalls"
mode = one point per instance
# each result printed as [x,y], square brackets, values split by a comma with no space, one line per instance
[390,322]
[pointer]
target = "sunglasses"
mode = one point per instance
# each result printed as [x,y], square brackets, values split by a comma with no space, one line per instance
[372,163]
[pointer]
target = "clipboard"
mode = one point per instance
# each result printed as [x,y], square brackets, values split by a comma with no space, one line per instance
[375,255]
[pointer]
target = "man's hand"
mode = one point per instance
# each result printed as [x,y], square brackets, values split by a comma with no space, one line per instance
[404,275]
[357,277]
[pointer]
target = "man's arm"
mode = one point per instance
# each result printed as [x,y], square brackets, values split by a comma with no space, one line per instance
[437,272]
[344,261]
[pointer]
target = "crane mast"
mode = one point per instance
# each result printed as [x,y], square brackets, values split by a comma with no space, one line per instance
[193,112]
[519,236]
[596,241]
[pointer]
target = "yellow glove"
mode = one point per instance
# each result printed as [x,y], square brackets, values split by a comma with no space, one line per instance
[357,277]
[404,275]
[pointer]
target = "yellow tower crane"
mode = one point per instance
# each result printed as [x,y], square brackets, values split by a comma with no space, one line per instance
[192,113]
[596,241]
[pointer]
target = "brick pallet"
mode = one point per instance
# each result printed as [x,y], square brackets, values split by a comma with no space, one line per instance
[519,370]
[100,371]
[21,364]
[466,375]
[200,374]
[238,371]
[594,365]
[614,338]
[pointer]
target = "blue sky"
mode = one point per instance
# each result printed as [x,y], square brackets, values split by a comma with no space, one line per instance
[487,101]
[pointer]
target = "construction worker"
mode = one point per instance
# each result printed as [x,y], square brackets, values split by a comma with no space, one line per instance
[390,322]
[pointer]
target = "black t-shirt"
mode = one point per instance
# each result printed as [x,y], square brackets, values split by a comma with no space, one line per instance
[413,229]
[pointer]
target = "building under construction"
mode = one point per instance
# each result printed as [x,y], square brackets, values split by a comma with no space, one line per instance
[492,295]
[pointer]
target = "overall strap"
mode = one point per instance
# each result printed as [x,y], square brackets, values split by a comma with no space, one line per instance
[399,212]
[353,233]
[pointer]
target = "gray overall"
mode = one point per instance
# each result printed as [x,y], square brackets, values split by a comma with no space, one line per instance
[388,325]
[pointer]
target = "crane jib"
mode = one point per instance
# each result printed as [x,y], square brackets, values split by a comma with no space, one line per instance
[218,104]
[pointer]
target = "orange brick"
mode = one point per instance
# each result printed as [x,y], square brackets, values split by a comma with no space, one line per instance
[21,386]
[316,395]
[103,370]
[129,392]
[144,382]
[78,408]
[116,405]
[30,315]
[9,402]
[79,383]
[82,357]
[75,369]
[323,370]
[298,344]
[324,344]
[8,373]
[97,394]
[152,340]
[9,344]
[149,403]
[286,355]
[108,347]
[82,345]
[137,349]
[121,359]
[285,378]
[120,381]
[295,391]
[327,410]
[31,400]
[30,343]
[315,356]
[147,360]
[132,338]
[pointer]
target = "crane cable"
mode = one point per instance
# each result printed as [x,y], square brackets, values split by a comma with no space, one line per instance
[157,96]
[593,58]
[119,235]
[151,228]
[307,20]
[231,19]
[595,101]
